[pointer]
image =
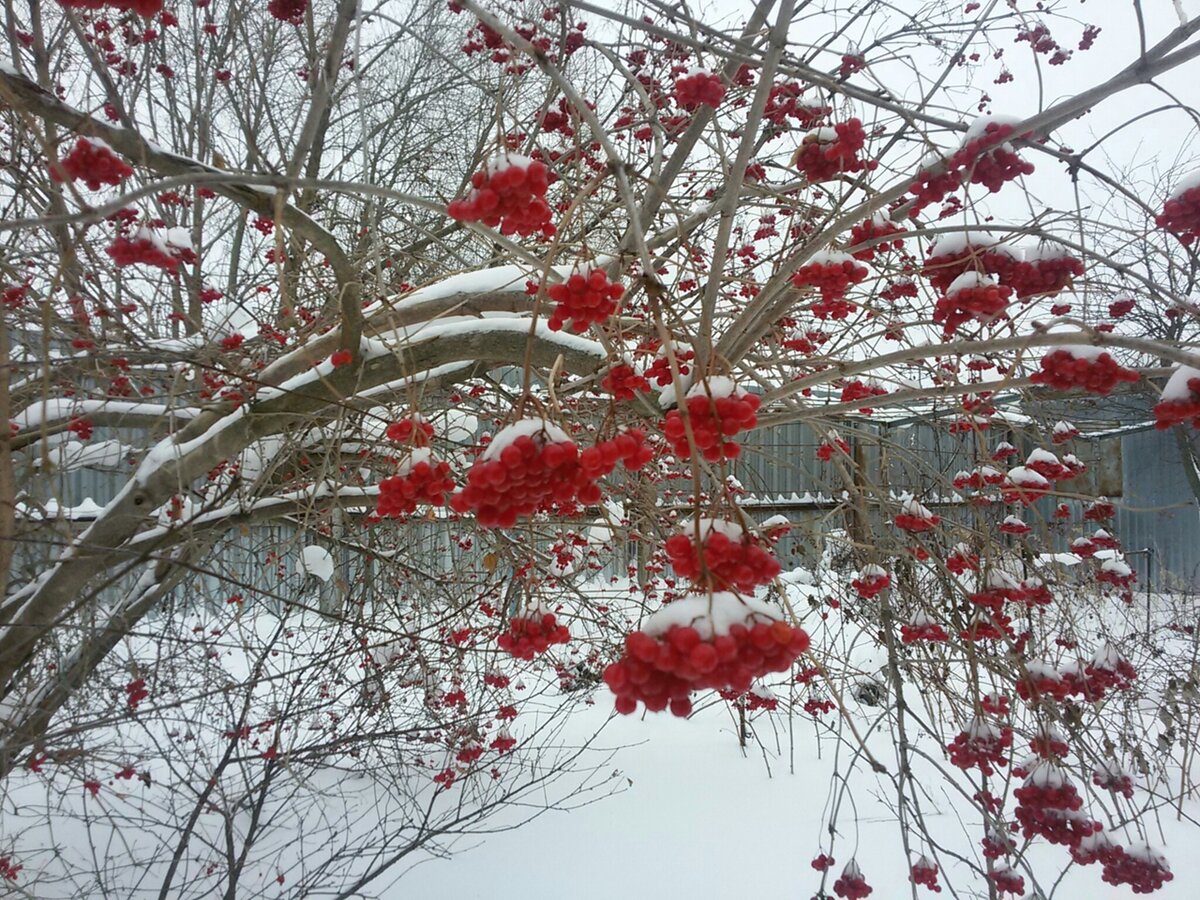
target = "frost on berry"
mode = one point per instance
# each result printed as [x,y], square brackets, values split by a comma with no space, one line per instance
[93,162]
[586,296]
[508,193]
[719,641]
[717,410]
[719,555]
[1179,403]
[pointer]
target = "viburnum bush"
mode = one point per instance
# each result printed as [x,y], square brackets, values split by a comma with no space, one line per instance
[768,372]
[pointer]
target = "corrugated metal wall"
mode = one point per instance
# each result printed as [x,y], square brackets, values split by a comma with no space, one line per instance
[780,472]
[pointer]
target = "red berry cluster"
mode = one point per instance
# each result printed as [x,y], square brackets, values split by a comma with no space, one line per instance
[1006,881]
[93,162]
[915,518]
[826,447]
[1044,276]
[533,466]
[1181,215]
[698,89]
[1119,308]
[717,410]
[1099,510]
[1048,805]
[961,560]
[784,102]
[974,297]
[823,862]
[872,580]
[661,671]
[726,559]
[943,266]
[1023,485]
[1180,403]
[981,746]
[860,390]
[875,230]
[412,430]
[530,636]
[1013,525]
[852,885]
[925,872]
[145,8]
[828,152]
[990,161]
[1099,374]
[624,382]
[508,193]
[1112,778]
[142,248]
[1140,867]
[932,185]
[921,628]
[421,479]
[586,296]
[290,11]
[833,273]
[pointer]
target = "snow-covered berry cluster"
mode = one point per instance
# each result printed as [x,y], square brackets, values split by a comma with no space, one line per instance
[870,581]
[1089,368]
[94,163]
[925,872]
[586,296]
[914,517]
[833,273]
[981,745]
[699,88]
[1180,400]
[987,158]
[971,296]
[920,627]
[718,641]
[717,410]
[508,192]
[146,248]
[851,884]
[1049,806]
[1024,485]
[827,152]
[724,557]
[531,635]
[1141,867]
[533,466]
[1181,212]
